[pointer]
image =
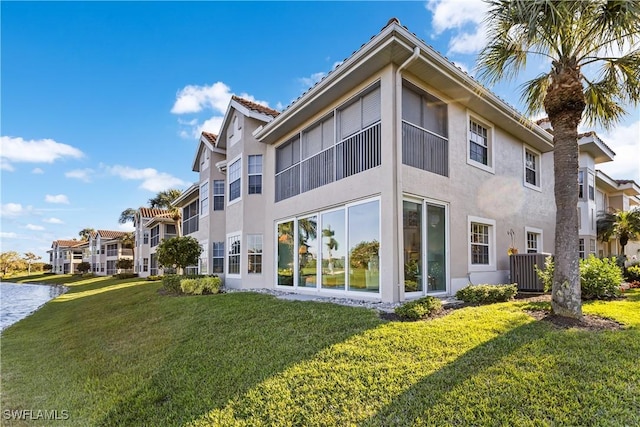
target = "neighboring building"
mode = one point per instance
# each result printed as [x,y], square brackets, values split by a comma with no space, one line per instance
[65,255]
[145,262]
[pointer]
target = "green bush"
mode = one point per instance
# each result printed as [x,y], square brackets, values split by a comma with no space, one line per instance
[419,309]
[125,275]
[171,284]
[154,278]
[487,294]
[546,275]
[600,278]
[633,273]
[87,275]
[201,285]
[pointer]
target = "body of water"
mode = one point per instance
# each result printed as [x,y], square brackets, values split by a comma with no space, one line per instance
[17,301]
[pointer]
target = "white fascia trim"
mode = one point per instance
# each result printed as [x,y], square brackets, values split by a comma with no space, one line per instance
[490,142]
[195,165]
[492,244]
[538,187]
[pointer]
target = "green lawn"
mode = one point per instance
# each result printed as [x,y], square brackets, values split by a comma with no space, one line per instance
[115,352]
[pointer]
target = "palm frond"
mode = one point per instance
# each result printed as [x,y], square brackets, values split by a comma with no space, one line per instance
[533,93]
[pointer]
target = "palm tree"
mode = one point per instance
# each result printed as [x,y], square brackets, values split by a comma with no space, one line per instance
[85,233]
[164,200]
[571,35]
[31,257]
[128,215]
[332,245]
[621,225]
[128,240]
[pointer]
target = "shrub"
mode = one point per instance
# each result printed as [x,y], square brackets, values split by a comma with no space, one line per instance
[125,275]
[600,278]
[546,275]
[419,309]
[171,284]
[201,285]
[87,275]
[83,267]
[154,278]
[633,273]
[487,294]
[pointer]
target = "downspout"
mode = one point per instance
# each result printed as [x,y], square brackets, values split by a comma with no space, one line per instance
[398,158]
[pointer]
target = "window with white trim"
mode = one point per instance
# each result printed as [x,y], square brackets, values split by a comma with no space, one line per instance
[534,241]
[218,195]
[218,258]
[254,253]
[145,264]
[479,144]
[190,218]
[531,168]
[235,179]
[581,248]
[255,174]
[204,258]
[233,258]
[482,243]
[580,184]
[592,246]
[204,199]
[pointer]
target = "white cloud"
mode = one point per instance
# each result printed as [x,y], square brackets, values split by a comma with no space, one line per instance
[210,125]
[193,99]
[8,235]
[81,174]
[624,141]
[312,79]
[152,180]
[464,18]
[14,209]
[5,165]
[37,171]
[58,198]
[34,227]
[34,151]
[53,221]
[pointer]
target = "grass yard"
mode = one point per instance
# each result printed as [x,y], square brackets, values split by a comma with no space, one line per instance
[115,352]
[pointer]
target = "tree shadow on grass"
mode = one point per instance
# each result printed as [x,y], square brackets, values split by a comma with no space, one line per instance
[533,374]
[226,347]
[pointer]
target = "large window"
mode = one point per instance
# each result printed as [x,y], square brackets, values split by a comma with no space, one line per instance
[482,251]
[254,252]
[234,254]
[112,250]
[255,174]
[317,157]
[155,236]
[204,199]
[235,174]
[424,131]
[204,259]
[190,218]
[531,168]
[111,267]
[412,226]
[332,250]
[478,143]
[218,258]
[218,195]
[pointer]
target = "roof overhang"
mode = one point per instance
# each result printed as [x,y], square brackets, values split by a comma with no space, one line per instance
[395,44]
[610,185]
[595,147]
[158,220]
[187,196]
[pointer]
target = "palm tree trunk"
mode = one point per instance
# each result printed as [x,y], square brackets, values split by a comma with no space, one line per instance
[564,104]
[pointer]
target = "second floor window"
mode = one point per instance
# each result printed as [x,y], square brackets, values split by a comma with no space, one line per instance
[479,143]
[531,168]
[235,170]
[255,174]
[190,218]
[155,236]
[218,195]
[112,250]
[581,184]
[204,199]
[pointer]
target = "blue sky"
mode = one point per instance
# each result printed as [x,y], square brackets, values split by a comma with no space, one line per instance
[102,102]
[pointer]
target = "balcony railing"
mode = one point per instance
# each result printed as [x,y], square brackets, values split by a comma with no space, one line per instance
[424,150]
[350,156]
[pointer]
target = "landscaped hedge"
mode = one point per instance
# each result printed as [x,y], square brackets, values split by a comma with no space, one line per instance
[487,294]
[600,278]
[201,285]
[419,309]
[171,284]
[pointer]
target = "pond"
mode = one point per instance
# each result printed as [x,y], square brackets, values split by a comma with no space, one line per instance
[17,301]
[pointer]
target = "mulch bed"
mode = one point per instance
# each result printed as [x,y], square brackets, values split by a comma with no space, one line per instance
[588,322]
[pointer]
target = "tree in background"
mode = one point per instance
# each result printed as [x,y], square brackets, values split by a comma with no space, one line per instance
[621,225]
[30,257]
[83,267]
[179,252]
[570,35]
[165,200]
[10,261]
[124,264]
[86,233]
[127,215]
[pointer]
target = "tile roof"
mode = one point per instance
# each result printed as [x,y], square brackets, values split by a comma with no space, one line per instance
[625,181]
[210,137]
[68,243]
[110,234]
[151,212]
[256,107]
